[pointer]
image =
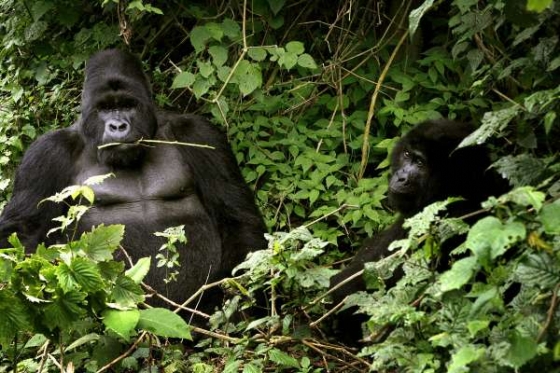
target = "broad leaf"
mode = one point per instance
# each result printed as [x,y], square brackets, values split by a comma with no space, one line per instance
[164,323]
[489,238]
[100,244]
[140,270]
[122,322]
[459,274]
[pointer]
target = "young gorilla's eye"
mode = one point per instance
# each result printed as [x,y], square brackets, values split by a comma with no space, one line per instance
[406,154]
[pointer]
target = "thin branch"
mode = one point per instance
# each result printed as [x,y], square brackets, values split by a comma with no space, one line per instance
[148,141]
[125,354]
[371,112]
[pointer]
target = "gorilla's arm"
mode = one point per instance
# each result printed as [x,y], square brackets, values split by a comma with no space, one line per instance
[46,169]
[220,185]
[372,250]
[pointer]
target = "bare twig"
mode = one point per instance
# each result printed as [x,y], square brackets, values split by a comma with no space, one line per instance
[550,313]
[371,112]
[125,354]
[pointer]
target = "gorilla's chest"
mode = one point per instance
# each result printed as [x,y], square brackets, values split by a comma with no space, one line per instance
[157,192]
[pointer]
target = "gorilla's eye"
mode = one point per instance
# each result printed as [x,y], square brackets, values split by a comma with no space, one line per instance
[406,154]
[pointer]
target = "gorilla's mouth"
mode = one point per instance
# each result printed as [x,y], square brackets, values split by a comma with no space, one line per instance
[122,154]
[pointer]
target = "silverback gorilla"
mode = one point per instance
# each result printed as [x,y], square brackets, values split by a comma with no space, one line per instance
[426,167]
[155,186]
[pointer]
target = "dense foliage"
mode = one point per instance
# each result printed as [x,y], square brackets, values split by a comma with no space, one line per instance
[312,97]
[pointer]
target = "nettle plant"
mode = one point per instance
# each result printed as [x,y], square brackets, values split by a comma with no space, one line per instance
[73,299]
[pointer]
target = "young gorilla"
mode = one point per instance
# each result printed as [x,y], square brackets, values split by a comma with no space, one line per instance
[156,186]
[426,167]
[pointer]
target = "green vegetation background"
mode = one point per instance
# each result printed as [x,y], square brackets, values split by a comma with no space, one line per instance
[312,94]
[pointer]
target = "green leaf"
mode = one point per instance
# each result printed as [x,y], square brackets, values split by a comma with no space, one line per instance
[295,47]
[463,357]
[164,323]
[100,244]
[64,310]
[276,5]
[459,274]
[248,76]
[492,123]
[65,279]
[127,293]
[200,87]
[538,270]
[122,322]
[538,5]
[86,274]
[283,359]
[231,28]
[140,270]
[416,15]
[550,217]
[305,60]
[205,68]
[219,55]
[257,53]
[199,36]
[288,60]
[521,351]
[489,238]
[15,316]
[185,79]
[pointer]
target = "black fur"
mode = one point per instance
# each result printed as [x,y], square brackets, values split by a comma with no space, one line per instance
[156,185]
[426,167]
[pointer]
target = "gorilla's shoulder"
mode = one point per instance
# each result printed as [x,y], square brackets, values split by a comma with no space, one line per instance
[64,141]
[185,126]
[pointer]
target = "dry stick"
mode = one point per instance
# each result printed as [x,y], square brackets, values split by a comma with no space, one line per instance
[550,313]
[205,287]
[125,354]
[341,350]
[139,142]
[324,353]
[216,335]
[365,144]
[329,214]
[44,357]
[331,311]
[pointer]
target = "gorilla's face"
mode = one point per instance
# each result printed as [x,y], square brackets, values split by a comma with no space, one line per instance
[117,110]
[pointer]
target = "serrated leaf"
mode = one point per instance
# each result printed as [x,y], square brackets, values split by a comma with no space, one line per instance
[200,87]
[164,323]
[257,53]
[550,217]
[199,36]
[65,279]
[127,293]
[122,322]
[248,77]
[86,274]
[538,270]
[521,351]
[305,60]
[64,310]
[185,79]
[219,55]
[205,68]
[15,316]
[416,15]
[463,357]
[492,122]
[288,60]
[231,28]
[459,274]
[489,238]
[283,359]
[295,47]
[139,270]
[100,243]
